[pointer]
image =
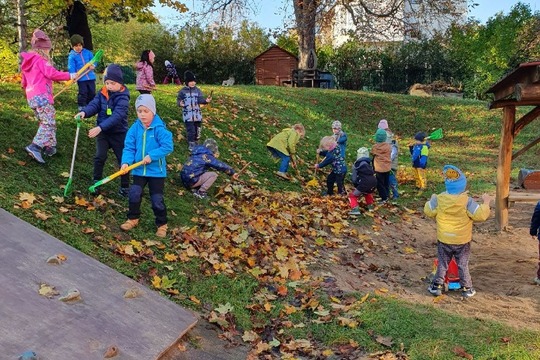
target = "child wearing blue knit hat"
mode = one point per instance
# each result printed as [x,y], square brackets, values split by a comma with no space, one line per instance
[455,213]
[419,154]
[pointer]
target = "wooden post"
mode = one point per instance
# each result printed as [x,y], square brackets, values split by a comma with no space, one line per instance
[504,167]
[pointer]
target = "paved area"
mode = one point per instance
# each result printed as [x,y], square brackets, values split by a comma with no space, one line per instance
[144,327]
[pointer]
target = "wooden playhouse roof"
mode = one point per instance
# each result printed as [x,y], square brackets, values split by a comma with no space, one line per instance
[521,87]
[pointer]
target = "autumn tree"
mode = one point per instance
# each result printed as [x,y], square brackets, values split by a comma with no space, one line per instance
[33,14]
[313,15]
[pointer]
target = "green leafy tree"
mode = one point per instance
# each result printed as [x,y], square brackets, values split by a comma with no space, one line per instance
[484,53]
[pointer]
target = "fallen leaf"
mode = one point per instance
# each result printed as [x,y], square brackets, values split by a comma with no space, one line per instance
[459,351]
[111,351]
[384,340]
[47,290]
[41,215]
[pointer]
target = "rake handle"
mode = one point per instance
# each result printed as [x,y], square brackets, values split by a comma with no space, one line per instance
[115,175]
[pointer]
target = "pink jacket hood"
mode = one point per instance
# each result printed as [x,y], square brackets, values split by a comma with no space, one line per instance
[38,76]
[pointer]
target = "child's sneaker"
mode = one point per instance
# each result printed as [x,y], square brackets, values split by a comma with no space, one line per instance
[129,224]
[49,150]
[537,281]
[355,211]
[468,292]
[35,152]
[200,194]
[435,289]
[123,192]
[282,175]
[162,231]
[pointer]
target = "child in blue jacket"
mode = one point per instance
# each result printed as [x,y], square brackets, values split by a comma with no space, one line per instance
[333,157]
[77,58]
[535,226]
[111,106]
[148,140]
[419,154]
[195,174]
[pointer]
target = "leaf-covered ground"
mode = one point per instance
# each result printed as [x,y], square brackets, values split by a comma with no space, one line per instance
[272,264]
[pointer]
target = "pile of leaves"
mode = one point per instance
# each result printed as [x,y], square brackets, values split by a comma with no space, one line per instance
[276,237]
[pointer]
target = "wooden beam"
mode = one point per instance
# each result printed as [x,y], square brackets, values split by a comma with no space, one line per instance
[525,148]
[504,167]
[526,120]
[526,92]
[503,103]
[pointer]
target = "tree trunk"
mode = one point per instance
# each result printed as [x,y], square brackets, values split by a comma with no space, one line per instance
[21,25]
[305,13]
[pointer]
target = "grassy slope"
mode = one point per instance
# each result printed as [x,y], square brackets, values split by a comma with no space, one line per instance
[242,119]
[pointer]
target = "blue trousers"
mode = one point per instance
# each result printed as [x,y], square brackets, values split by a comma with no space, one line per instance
[155,186]
[392,181]
[285,159]
[87,91]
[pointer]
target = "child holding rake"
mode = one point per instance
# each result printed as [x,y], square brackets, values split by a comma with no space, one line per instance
[38,75]
[111,106]
[148,140]
[77,58]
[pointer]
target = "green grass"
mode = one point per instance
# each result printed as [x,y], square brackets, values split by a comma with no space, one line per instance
[243,119]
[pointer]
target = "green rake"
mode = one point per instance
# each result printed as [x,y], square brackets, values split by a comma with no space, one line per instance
[69,186]
[436,135]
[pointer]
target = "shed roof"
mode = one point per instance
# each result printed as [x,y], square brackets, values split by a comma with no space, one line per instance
[275,46]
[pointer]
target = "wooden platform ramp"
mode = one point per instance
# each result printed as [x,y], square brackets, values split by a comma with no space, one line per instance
[143,327]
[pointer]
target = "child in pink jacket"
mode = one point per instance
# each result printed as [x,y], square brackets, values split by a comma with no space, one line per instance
[38,75]
[145,73]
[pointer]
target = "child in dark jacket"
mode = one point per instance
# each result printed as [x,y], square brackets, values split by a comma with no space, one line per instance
[111,106]
[78,57]
[148,140]
[190,98]
[172,75]
[534,231]
[364,181]
[419,154]
[339,168]
[195,174]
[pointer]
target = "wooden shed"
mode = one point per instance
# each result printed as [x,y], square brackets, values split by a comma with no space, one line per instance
[274,67]
[519,88]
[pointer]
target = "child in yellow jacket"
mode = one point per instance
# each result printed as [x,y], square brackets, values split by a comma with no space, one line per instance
[283,146]
[455,213]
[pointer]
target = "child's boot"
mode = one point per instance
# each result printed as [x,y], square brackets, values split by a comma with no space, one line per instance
[49,150]
[129,224]
[355,211]
[435,289]
[35,152]
[162,231]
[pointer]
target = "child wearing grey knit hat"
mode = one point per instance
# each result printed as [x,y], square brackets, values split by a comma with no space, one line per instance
[149,141]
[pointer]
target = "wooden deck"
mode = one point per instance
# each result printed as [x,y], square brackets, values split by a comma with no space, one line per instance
[144,327]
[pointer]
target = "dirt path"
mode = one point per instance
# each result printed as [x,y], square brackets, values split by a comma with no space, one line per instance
[502,268]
